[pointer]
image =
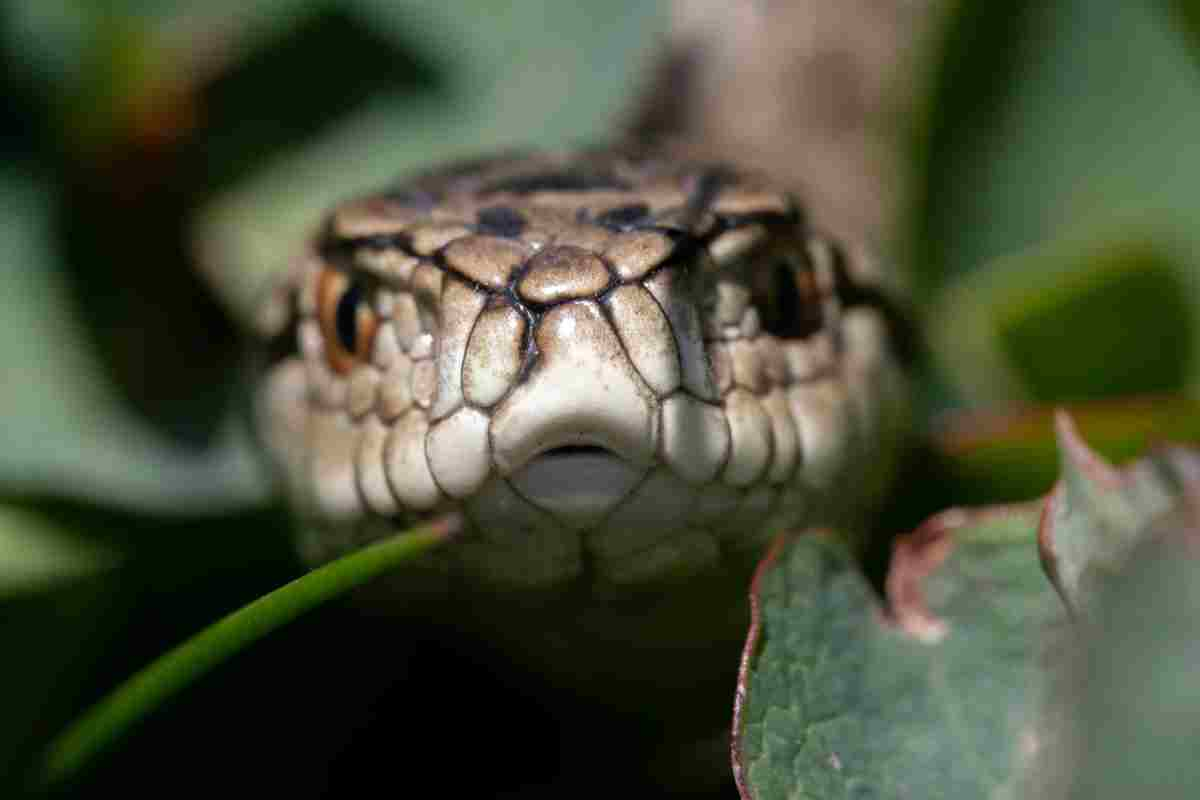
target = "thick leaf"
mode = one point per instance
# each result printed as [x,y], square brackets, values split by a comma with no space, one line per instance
[1020,140]
[1188,13]
[35,555]
[1150,351]
[839,698]
[1097,515]
[1124,548]
[1058,201]
[1133,687]
[1070,321]
[972,679]
[65,431]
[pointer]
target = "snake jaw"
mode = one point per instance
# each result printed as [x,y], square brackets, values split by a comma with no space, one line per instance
[578,485]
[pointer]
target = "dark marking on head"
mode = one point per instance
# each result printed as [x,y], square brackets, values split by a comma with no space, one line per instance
[708,184]
[624,218]
[560,181]
[411,198]
[686,252]
[904,335]
[342,250]
[500,221]
[771,219]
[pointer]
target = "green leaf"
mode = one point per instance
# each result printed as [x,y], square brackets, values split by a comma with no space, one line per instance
[1039,119]
[1133,687]
[1122,544]
[66,433]
[1071,321]
[971,679]
[1098,515]
[106,722]
[1149,351]
[838,698]
[1056,218]
[35,555]
[1187,14]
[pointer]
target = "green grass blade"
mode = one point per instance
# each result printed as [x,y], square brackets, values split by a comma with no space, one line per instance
[107,721]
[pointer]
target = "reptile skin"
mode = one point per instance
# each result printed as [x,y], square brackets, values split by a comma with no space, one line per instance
[623,369]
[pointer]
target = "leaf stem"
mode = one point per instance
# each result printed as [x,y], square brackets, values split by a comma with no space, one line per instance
[113,716]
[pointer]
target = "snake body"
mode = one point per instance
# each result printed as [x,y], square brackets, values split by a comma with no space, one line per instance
[623,369]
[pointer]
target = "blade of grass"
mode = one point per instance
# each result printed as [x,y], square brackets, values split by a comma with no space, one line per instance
[107,721]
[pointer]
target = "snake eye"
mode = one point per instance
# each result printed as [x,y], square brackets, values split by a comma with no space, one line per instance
[784,289]
[347,321]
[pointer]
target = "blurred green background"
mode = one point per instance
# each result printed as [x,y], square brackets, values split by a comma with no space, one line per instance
[154,150]
[142,141]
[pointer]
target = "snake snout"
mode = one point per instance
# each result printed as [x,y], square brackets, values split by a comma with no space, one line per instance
[582,392]
[580,432]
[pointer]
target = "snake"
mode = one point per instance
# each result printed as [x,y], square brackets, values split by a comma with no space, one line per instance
[626,371]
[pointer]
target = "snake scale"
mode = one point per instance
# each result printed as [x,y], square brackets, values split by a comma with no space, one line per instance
[627,370]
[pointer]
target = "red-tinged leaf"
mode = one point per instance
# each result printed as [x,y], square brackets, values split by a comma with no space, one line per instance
[971,679]
[932,695]
[1098,514]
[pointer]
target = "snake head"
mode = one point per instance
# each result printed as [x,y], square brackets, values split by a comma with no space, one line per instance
[618,368]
